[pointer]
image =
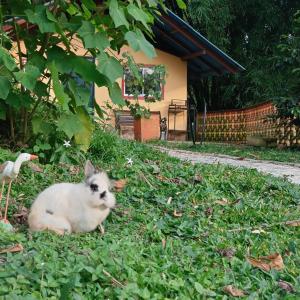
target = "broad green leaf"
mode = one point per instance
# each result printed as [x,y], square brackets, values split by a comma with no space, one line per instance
[14,100]
[41,126]
[91,39]
[138,14]
[4,87]
[67,63]
[100,112]
[70,124]
[117,14]
[37,60]
[84,136]
[61,96]
[89,4]
[39,16]
[41,89]
[109,66]
[138,42]
[7,59]
[81,94]
[28,76]
[115,94]
[2,111]
[181,4]
[131,38]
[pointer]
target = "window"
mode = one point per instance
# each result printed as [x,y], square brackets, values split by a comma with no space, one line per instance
[152,83]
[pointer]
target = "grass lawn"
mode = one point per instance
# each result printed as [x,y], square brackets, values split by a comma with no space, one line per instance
[284,155]
[171,237]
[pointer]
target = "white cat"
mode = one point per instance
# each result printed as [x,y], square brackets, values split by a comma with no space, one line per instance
[68,207]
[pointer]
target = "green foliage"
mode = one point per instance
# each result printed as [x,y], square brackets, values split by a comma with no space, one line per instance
[288,61]
[152,253]
[249,31]
[46,89]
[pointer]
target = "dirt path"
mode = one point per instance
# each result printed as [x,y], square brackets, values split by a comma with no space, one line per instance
[290,171]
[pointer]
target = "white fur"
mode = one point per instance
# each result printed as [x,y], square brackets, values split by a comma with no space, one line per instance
[68,207]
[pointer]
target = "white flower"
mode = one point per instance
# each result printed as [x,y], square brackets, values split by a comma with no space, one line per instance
[129,161]
[67,144]
[42,264]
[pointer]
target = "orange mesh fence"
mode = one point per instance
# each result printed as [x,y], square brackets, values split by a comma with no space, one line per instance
[235,125]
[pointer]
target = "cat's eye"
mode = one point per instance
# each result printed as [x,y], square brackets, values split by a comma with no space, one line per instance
[94,187]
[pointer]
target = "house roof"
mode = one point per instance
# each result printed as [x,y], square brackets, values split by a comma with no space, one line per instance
[175,36]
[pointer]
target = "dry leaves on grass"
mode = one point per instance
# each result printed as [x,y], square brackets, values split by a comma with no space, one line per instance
[266,263]
[286,286]
[198,178]
[227,252]
[294,223]
[34,167]
[120,184]
[177,214]
[15,248]
[223,201]
[21,216]
[233,291]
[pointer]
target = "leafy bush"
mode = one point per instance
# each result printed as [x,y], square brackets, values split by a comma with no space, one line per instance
[45,85]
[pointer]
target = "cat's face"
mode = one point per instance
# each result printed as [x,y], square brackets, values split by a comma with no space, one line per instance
[99,190]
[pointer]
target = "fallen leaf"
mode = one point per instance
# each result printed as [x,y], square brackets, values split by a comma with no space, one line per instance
[15,248]
[120,184]
[294,223]
[209,211]
[233,291]
[223,201]
[266,263]
[198,178]
[169,200]
[175,180]
[241,158]
[227,252]
[286,286]
[258,231]
[74,170]
[163,243]
[177,214]
[21,216]
[34,167]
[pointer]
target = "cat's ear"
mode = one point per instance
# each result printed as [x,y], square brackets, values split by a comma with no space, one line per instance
[89,169]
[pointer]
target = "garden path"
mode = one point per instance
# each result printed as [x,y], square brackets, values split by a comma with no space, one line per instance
[290,171]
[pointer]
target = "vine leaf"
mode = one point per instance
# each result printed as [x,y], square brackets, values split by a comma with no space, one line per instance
[137,42]
[61,96]
[115,94]
[4,87]
[69,124]
[138,14]
[28,76]
[91,39]
[117,14]
[7,60]
[110,67]
[40,17]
